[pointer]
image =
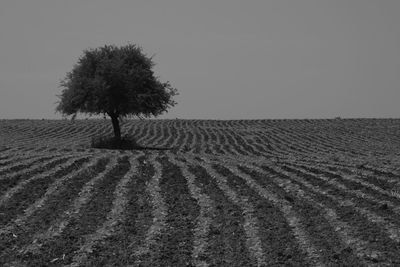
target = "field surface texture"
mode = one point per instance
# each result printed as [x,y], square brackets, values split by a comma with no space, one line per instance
[203,193]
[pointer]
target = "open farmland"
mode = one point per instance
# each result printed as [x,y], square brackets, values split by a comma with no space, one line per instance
[227,193]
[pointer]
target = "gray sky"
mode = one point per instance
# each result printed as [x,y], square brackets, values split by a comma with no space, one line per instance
[229,59]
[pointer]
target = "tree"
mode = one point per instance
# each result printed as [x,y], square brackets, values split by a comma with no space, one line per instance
[115,81]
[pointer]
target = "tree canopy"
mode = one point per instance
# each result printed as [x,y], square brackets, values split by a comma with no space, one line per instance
[117,81]
[114,80]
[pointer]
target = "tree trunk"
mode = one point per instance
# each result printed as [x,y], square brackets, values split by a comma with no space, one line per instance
[117,129]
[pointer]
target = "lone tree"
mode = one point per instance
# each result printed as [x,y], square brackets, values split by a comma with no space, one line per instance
[115,81]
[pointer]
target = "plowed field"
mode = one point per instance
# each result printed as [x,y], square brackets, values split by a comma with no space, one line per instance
[224,193]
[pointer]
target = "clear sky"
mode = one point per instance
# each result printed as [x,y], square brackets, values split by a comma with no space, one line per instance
[229,59]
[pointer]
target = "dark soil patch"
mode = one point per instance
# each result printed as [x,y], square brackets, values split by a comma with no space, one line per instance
[127,143]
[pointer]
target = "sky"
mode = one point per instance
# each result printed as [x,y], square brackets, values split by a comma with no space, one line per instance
[228,59]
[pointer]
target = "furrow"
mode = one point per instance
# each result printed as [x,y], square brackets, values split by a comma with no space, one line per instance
[21,220]
[141,131]
[114,217]
[118,249]
[85,218]
[224,145]
[368,174]
[175,243]
[5,149]
[202,145]
[227,240]
[57,228]
[346,234]
[162,136]
[194,142]
[216,146]
[291,217]
[186,141]
[392,231]
[232,142]
[207,212]
[352,178]
[10,158]
[154,136]
[362,249]
[381,171]
[243,144]
[22,184]
[176,136]
[189,140]
[250,224]
[43,165]
[360,194]
[16,166]
[150,132]
[159,212]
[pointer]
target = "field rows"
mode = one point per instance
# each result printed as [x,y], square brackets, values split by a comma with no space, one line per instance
[227,193]
[261,138]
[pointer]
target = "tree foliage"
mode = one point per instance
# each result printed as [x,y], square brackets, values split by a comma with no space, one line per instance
[115,81]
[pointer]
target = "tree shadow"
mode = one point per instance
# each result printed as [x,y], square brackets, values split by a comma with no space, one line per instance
[126,143]
[152,148]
